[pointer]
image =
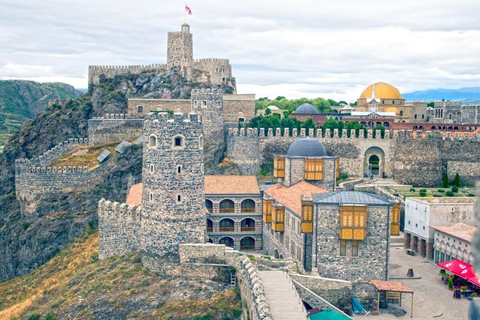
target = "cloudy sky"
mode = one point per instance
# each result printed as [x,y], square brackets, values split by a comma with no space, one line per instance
[330,49]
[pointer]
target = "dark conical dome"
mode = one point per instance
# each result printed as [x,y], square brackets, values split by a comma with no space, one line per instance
[306,147]
[306,108]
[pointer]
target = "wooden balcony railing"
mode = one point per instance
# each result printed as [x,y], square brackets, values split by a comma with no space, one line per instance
[209,229]
[247,228]
[227,210]
[248,210]
[249,247]
[225,229]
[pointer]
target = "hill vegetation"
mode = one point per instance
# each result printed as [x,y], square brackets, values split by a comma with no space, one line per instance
[21,100]
[290,105]
[75,284]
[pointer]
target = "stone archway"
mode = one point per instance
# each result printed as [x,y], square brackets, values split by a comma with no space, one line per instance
[374,162]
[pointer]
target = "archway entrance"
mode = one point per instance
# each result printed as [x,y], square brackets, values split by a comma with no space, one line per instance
[247,243]
[226,241]
[374,162]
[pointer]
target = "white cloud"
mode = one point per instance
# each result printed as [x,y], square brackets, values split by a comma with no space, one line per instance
[299,48]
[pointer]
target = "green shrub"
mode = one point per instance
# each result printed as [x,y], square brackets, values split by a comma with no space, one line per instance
[449,194]
[445,181]
[456,182]
[471,194]
[454,189]
[412,190]
[423,190]
[450,282]
[422,194]
[25,225]
[441,190]
[50,316]
[34,316]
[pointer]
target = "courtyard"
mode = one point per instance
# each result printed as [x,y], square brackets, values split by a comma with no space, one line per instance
[432,298]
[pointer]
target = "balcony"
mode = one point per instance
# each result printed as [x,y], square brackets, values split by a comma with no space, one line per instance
[223,229]
[227,210]
[246,210]
[209,229]
[247,228]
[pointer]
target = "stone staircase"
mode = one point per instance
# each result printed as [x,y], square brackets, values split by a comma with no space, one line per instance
[283,298]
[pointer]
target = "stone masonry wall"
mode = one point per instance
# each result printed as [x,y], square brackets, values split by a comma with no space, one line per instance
[373,251]
[185,106]
[234,104]
[113,127]
[118,228]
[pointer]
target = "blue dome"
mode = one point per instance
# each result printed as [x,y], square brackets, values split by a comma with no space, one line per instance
[306,108]
[307,147]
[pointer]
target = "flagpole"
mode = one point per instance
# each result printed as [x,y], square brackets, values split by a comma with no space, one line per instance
[185,9]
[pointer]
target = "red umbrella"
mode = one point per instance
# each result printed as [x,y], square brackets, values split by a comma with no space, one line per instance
[461,269]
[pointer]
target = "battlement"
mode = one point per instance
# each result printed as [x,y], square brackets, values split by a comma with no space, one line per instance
[109,210]
[213,60]
[27,168]
[156,118]
[213,91]
[131,68]
[111,116]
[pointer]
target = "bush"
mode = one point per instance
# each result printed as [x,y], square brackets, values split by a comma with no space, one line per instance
[423,190]
[441,190]
[25,225]
[34,316]
[445,181]
[423,194]
[454,189]
[450,282]
[412,190]
[50,316]
[449,194]
[471,194]
[456,182]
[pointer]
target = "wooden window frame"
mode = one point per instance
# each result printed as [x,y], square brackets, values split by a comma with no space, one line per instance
[307,216]
[353,222]
[395,220]
[314,169]
[279,167]
[343,248]
[337,168]
[278,218]
[267,210]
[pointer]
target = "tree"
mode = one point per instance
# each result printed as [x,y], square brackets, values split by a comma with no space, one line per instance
[457,180]
[280,98]
[309,124]
[445,181]
[263,99]
[431,104]
[268,111]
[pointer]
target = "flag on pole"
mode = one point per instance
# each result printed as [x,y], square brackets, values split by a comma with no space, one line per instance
[187,10]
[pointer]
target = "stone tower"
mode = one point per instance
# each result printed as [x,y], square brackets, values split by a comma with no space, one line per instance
[180,50]
[208,103]
[173,201]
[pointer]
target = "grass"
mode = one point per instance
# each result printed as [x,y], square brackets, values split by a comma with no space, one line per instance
[75,279]
[86,155]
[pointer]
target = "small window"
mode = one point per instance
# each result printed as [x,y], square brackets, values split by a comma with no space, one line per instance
[150,196]
[152,141]
[140,109]
[415,116]
[178,142]
[423,116]
[179,198]
[354,248]
[195,103]
[393,101]
[416,225]
[152,168]
[216,69]
[200,143]
[223,69]
[179,169]
[204,103]
[201,168]
[423,227]
[343,248]
[219,103]
[223,79]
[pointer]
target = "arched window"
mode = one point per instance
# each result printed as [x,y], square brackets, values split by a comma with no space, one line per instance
[152,168]
[247,243]
[140,109]
[204,103]
[226,225]
[209,205]
[248,205]
[178,142]
[179,198]
[179,169]
[209,225]
[150,196]
[248,225]
[195,103]
[227,206]
[401,113]
[152,141]
[200,143]
[226,241]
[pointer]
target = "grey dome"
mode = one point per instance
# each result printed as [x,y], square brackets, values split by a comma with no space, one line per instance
[306,108]
[306,147]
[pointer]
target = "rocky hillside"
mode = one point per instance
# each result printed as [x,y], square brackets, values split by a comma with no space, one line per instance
[27,241]
[76,285]
[21,100]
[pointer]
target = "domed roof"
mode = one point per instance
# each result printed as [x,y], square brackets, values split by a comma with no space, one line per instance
[306,108]
[383,90]
[392,109]
[306,147]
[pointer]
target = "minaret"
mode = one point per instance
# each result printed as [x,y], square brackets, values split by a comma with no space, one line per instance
[373,107]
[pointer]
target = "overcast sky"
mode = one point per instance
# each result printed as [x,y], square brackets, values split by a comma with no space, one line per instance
[330,49]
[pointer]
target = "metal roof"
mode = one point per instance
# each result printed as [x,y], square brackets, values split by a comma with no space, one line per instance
[350,197]
[306,147]
[140,140]
[123,146]
[103,156]
[306,108]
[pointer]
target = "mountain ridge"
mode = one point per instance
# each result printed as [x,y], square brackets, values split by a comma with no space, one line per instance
[461,94]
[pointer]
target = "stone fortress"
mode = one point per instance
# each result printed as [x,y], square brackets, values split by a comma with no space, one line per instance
[175,200]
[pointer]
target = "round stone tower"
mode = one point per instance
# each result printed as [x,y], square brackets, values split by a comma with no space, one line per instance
[173,201]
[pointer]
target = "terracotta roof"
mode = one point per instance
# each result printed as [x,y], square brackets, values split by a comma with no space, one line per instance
[391,286]
[231,185]
[135,195]
[291,197]
[460,230]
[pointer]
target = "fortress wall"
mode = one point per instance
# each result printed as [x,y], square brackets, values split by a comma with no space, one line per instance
[421,160]
[235,103]
[148,105]
[470,114]
[119,228]
[212,70]
[113,128]
[109,72]
[32,181]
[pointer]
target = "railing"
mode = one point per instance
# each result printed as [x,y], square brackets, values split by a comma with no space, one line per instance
[247,228]
[226,228]
[247,247]
[227,210]
[248,210]
[209,229]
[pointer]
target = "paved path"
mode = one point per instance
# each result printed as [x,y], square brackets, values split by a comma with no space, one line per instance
[282,296]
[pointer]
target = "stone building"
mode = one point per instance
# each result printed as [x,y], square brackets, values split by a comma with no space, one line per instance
[422,213]
[453,242]
[342,235]
[234,206]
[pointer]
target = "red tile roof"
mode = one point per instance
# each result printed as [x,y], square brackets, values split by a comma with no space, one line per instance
[391,286]
[291,197]
[135,195]
[460,230]
[231,185]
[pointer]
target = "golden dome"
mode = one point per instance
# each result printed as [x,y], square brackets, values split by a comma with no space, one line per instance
[391,109]
[383,90]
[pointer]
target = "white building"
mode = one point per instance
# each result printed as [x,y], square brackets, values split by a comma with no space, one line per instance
[421,213]
[454,242]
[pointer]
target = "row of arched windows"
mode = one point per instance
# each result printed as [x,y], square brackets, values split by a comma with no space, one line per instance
[228,206]
[227,224]
[246,243]
[178,142]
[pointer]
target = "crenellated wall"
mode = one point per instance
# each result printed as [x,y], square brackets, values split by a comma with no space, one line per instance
[119,226]
[419,159]
[113,127]
[110,72]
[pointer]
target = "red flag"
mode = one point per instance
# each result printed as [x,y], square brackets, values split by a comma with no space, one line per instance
[187,9]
